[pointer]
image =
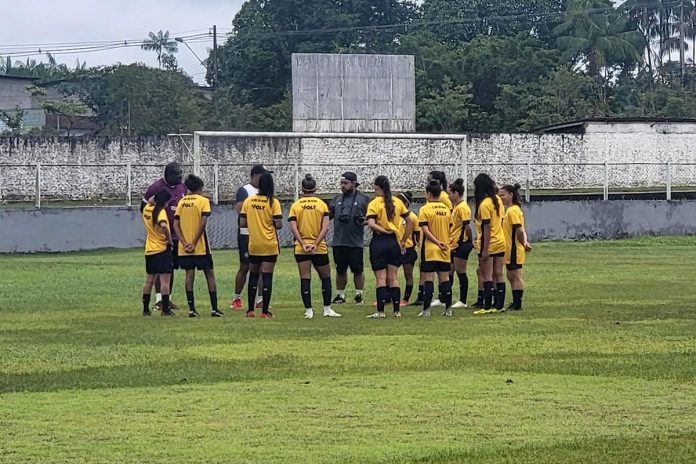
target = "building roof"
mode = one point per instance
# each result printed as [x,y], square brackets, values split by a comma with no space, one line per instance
[579,126]
[24,78]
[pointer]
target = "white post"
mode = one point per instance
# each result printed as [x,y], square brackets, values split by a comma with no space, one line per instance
[297,180]
[129,187]
[528,184]
[38,185]
[606,181]
[196,154]
[465,166]
[216,183]
[669,180]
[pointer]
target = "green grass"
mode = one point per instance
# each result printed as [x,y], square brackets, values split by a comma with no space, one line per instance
[600,366]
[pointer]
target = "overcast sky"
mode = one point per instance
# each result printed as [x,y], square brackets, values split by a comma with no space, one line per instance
[43,22]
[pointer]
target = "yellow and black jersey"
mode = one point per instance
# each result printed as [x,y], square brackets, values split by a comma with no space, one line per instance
[444,198]
[488,214]
[514,249]
[412,241]
[438,217]
[377,210]
[190,210]
[309,213]
[461,217]
[155,239]
[260,212]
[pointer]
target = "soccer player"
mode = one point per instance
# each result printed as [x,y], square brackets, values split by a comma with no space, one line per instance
[348,211]
[194,251]
[388,244]
[516,243]
[309,223]
[411,256]
[460,238]
[435,219]
[248,190]
[262,215]
[172,182]
[442,179]
[158,250]
[489,227]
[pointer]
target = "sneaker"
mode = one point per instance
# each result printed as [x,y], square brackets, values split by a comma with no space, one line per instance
[497,311]
[331,313]
[437,303]
[267,315]
[403,303]
[376,315]
[309,314]
[250,314]
[424,313]
[147,313]
[397,313]
[236,304]
[448,312]
[459,305]
[483,311]
[358,299]
[158,306]
[338,300]
[167,313]
[193,313]
[216,313]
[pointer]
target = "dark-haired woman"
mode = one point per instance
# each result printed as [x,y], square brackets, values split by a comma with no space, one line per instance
[309,223]
[489,230]
[388,244]
[460,238]
[516,243]
[411,255]
[158,250]
[262,215]
[442,179]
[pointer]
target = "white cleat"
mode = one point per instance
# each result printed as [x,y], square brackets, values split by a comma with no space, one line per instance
[309,314]
[448,313]
[376,315]
[424,313]
[459,305]
[437,303]
[331,313]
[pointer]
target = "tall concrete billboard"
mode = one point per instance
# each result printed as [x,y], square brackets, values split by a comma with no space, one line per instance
[353,93]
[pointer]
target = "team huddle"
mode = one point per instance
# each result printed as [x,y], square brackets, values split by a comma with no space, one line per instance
[175,217]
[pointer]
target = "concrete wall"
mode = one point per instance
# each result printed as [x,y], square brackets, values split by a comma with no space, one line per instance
[71,229]
[353,93]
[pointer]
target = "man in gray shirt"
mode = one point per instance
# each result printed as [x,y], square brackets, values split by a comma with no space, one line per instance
[348,211]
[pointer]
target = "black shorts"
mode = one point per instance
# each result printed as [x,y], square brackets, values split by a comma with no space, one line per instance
[384,251]
[243,245]
[160,263]
[200,262]
[263,259]
[410,257]
[513,267]
[496,255]
[463,250]
[317,260]
[345,257]
[435,266]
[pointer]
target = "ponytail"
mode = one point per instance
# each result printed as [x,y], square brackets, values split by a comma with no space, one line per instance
[514,190]
[383,183]
[162,197]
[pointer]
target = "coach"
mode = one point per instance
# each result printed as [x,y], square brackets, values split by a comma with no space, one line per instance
[171,181]
[348,213]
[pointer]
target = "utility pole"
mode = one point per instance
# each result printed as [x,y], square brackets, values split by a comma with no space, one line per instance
[215,56]
[682,58]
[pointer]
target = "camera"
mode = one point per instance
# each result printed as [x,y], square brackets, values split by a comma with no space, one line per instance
[344,218]
[359,220]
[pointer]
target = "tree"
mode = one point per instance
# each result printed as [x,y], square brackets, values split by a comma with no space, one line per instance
[13,121]
[68,111]
[161,44]
[447,110]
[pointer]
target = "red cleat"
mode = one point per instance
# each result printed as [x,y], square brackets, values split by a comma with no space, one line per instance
[236,304]
[268,315]
[250,314]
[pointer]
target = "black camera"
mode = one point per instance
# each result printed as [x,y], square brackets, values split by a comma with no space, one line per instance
[359,220]
[344,218]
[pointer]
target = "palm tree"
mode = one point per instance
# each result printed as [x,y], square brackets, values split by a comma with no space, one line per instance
[645,16]
[160,43]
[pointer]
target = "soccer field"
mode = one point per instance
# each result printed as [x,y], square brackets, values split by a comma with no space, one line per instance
[600,366]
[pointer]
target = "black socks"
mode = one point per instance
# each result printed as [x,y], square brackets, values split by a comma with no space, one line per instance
[305,289]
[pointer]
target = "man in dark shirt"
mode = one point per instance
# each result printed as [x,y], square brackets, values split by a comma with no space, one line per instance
[171,181]
[348,213]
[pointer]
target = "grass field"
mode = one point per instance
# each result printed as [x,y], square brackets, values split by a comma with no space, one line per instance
[600,366]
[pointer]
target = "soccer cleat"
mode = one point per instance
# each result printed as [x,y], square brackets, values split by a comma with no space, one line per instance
[397,313]
[358,299]
[459,305]
[448,312]
[403,303]
[514,307]
[158,306]
[216,313]
[338,300]
[497,311]
[236,304]
[331,313]
[424,313]
[483,311]
[437,303]
[309,314]
[377,315]
[193,313]
[250,314]
[147,313]
[172,305]
[267,315]
[167,313]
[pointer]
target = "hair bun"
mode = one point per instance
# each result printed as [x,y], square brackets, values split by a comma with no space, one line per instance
[459,181]
[434,182]
[517,186]
[308,177]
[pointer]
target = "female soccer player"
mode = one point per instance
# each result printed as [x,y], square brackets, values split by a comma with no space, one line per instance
[516,243]
[411,256]
[442,179]
[489,227]
[435,219]
[388,244]
[158,250]
[460,238]
[261,214]
[309,223]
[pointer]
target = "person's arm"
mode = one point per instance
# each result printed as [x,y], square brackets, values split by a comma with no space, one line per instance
[324,230]
[277,215]
[243,222]
[242,195]
[165,228]
[429,235]
[467,230]
[486,233]
[408,232]
[521,236]
[372,224]
[296,233]
[177,229]
[199,233]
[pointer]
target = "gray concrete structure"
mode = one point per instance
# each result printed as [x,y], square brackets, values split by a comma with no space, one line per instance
[353,93]
[71,229]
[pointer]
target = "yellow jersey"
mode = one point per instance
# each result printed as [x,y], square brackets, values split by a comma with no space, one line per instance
[444,198]
[488,214]
[309,213]
[260,212]
[461,217]
[376,210]
[190,210]
[438,217]
[514,249]
[412,241]
[155,239]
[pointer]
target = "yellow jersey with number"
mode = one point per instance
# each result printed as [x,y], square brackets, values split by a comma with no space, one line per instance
[309,214]
[492,217]
[260,212]
[190,211]
[461,217]
[377,210]
[438,218]
[444,198]
[155,238]
[514,249]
